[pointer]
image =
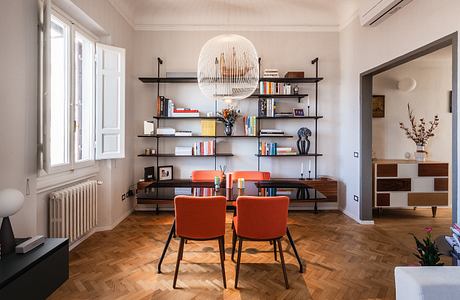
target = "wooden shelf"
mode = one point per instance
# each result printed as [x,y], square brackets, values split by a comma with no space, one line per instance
[212,136]
[174,155]
[293,80]
[297,155]
[168,79]
[183,118]
[289,117]
[293,96]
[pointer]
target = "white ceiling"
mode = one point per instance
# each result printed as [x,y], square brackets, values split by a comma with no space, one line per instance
[289,15]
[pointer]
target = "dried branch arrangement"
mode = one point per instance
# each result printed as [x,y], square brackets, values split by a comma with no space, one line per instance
[419,133]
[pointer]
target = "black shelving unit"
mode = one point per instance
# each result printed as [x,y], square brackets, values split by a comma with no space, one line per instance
[306,80]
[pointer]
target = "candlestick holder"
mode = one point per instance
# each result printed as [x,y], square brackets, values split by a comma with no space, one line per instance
[301,176]
[308,110]
[309,175]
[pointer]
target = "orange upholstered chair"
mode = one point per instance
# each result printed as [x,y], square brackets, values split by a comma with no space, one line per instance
[206,175]
[260,219]
[200,218]
[251,175]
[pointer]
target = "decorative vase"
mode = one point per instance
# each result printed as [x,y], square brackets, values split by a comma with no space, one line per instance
[420,154]
[228,129]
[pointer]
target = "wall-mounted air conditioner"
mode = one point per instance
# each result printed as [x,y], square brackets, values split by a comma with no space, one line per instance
[374,12]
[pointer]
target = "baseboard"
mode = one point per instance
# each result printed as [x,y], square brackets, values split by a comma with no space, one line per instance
[101,228]
[363,222]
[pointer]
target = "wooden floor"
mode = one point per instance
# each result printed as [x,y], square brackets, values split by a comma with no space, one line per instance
[344,260]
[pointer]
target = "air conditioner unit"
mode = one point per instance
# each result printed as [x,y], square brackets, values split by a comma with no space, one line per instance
[376,11]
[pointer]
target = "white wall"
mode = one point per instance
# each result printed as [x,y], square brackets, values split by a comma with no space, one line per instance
[361,49]
[283,50]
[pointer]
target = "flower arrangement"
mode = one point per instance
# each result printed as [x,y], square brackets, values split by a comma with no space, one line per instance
[428,253]
[228,116]
[419,133]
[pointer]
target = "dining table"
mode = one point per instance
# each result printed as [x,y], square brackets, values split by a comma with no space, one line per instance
[165,191]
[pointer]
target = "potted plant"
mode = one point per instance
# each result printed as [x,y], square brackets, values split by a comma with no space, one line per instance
[419,133]
[228,116]
[427,250]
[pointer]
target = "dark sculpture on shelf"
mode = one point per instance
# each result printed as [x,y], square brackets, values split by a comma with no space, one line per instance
[303,143]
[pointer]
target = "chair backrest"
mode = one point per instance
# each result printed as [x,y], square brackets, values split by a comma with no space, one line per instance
[251,175]
[200,217]
[262,217]
[206,175]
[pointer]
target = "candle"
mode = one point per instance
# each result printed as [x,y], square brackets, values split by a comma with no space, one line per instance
[301,169]
[309,165]
[308,100]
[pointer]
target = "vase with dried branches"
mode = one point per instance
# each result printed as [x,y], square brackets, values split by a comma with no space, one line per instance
[420,133]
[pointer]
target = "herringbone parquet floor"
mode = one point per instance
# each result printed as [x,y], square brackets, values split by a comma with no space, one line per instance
[344,260]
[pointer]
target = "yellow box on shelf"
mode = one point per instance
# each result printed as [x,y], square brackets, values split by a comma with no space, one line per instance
[208,127]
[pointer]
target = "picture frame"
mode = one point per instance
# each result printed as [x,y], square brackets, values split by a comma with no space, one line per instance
[149,173]
[298,112]
[165,173]
[378,106]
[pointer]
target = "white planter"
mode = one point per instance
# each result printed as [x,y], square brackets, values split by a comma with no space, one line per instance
[420,154]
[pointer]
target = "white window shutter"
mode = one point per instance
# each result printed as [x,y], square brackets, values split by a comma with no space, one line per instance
[110,102]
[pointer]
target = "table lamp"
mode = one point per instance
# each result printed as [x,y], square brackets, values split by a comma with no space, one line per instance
[11,201]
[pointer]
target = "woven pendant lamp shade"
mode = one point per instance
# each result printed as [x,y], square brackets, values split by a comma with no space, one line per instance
[228,68]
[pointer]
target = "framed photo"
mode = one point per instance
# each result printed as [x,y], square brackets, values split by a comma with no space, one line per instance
[378,106]
[298,112]
[165,173]
[149,173]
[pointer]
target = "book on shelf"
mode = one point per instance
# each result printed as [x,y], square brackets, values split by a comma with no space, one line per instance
[203,192]
[268,148]
[166,131]
[250,125]
[271,132]
[204,148]
[271,73]
[283,114]
[165,107]
[185,112]
[274,88]
[208,127]
[183,133]
[183,151]
[267,107]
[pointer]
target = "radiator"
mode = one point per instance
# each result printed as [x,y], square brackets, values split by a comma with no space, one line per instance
[73,211]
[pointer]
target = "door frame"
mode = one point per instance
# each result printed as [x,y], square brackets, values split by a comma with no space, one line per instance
[366,84]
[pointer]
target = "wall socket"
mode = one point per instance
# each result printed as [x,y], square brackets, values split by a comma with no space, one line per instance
[356,198]
[355,154]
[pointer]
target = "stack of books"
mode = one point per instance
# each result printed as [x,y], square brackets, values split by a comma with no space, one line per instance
[185,112]
[166,131]
[183,133]
[208,127]
[268,149]
[284,114]
[250,125]
[454,241]
[165,107]
[267,107]
[204,148]
[286,151]
[271,73]
[274,88]
[271,132]
[183,151]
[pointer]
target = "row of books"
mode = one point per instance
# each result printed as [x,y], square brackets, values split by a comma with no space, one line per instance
[274,88]
[166,108]
[266,148]
[204,148]
[203,192]
[454,240]
[267,107]
[250,125]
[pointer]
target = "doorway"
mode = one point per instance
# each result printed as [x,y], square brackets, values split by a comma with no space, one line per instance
[367,87]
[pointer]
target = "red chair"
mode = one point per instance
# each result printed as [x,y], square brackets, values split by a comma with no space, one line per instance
[260,219]
[206,175]
[251,175]
[202,219]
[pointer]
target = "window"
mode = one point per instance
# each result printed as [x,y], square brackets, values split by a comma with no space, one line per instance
[82,115]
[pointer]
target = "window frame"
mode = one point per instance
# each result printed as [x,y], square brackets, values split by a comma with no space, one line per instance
[73,164]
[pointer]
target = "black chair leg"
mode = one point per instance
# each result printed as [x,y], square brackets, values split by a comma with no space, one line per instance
[222,258]
[172,232]
[291,241]
[179,255]
[282,264]
[237,272]
[274,250]
[233,244]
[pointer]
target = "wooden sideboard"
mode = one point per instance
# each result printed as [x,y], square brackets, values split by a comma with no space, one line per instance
[408,183]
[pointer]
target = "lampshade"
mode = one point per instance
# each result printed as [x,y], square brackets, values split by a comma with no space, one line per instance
[11,201]
[228,68]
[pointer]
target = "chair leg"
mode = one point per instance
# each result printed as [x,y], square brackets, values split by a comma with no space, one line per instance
[274,249]
[237,272]
[282,264]
[233,244]
[179,255]
[222,258]
[295,250]
[172,232]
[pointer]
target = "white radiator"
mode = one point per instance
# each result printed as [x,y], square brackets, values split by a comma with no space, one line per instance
[73,211]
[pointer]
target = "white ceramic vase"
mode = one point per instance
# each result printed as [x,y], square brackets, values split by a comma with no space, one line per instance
[420,154]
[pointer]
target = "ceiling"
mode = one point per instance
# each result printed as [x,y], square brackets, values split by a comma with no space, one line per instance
[277,15]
